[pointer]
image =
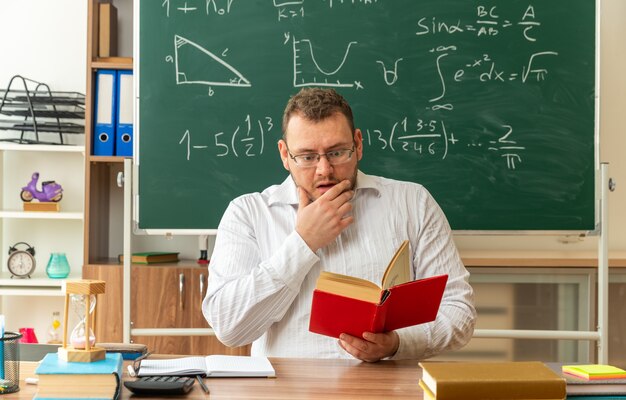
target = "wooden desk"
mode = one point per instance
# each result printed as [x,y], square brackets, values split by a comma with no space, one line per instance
[306,379]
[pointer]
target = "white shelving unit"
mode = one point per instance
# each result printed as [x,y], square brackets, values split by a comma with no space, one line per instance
[31,287]
[9,146]
[47,232]
[14,214]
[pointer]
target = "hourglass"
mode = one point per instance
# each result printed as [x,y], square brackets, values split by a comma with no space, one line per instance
[82,297]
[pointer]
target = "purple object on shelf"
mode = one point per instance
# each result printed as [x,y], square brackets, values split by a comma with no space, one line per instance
[50,190]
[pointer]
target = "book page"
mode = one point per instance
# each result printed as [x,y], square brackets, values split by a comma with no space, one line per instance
[173,366]
[325,275]
[399,269]
[233,366]
[347,286]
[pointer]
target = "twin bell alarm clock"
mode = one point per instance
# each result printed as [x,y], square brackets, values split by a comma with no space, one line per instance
[21,261]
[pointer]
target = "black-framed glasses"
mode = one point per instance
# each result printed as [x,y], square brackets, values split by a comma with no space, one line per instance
[334,157]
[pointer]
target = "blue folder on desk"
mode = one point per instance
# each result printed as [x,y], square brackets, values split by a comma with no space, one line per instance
[125,102]
[105,113]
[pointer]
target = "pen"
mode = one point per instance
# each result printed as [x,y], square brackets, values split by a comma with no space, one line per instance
[201,382]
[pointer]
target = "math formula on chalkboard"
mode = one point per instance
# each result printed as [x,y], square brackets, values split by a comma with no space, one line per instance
[491,105]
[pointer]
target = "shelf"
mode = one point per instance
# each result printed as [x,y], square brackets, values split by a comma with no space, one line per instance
[35,291]
[185,263]
[113,262]
[507,259]
[15,214]
[58,148]
[104,262]
[113,63]
[106,159]
[38,285]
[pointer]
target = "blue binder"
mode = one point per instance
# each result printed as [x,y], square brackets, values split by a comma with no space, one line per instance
[125,102]
[105,110]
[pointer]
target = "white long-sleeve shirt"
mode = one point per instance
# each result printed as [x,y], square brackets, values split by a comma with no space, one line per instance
[262,274]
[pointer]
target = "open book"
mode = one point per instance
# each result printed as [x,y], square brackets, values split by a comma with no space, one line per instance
[214,366]
[345,304]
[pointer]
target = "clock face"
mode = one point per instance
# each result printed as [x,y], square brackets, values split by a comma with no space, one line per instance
[21,263]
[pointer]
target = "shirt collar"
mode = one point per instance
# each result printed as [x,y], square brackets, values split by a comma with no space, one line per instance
[286,192]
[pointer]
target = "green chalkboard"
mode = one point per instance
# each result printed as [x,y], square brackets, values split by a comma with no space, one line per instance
[491,105]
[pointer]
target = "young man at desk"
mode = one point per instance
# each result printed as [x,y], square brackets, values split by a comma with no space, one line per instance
[328,216]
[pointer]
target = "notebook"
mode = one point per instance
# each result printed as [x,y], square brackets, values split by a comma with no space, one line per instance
[213,366]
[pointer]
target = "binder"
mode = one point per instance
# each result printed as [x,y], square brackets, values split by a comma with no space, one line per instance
[104,121]
[125,102]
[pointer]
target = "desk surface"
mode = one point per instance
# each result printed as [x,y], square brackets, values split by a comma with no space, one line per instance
[306,379]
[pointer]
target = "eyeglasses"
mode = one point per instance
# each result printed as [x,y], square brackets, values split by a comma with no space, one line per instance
[335,157]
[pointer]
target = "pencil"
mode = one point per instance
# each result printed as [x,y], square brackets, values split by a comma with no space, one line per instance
[201,382]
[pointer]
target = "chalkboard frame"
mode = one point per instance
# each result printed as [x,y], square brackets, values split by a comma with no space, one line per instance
[182,231]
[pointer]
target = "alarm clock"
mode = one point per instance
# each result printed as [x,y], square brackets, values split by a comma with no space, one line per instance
[21,263]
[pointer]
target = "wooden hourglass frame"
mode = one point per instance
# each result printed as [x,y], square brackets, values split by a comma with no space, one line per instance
[89,353]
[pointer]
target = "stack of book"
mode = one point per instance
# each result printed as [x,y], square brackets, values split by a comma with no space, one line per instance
[490,380]
[60,379]
[593,381]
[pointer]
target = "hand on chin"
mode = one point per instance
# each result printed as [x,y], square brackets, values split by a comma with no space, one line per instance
[321,189]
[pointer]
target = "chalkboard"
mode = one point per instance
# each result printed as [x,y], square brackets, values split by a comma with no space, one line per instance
[491,105]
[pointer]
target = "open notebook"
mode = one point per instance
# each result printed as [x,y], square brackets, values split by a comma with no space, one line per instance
[214,366]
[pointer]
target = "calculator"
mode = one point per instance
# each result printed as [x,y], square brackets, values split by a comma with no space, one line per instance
[160,385]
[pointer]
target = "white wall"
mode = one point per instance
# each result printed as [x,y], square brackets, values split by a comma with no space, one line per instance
[45,41]
[613,112]
[125,27]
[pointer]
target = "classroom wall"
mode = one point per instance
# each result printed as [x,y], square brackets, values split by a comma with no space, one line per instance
[50,38]
[612,112]
[44,40]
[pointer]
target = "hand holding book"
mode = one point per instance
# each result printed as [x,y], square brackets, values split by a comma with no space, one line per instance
[345,304]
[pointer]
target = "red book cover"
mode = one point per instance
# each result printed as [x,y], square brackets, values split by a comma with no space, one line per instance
[403,305]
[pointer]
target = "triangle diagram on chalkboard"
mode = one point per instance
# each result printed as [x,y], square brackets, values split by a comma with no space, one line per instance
[197,65]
